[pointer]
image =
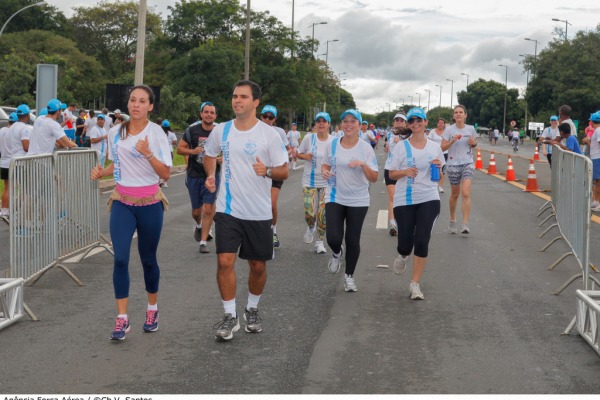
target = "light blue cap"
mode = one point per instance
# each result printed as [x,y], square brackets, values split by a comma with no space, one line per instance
[323,115]
[101,116]
[352,112]
[54,105]
[595,117]
[365,122]
[269,109]
[554,118]
[416,112]
[63,106]
[43,111]
[206,103]
[23,109]
[166,123]
[13,117]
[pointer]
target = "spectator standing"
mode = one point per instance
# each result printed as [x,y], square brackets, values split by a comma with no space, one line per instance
[5,158]
[594,144]
[548,135]
[98,139]
[80,128]
[47,132]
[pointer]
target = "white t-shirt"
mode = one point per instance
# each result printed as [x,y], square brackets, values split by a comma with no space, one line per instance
[171,136]
[294,138]
[4,139]
[348,186]
[550,134]
[421,188]
[392,141]
[242,193]
[337,134]
[496,133]
[573,129]
[460,152]
[595,144]
[100,146]
[131,167]
[108,123]
[367,136]
[282,135]
[14,146]
[44,135]
[312,177]
[90,123]
[436,138]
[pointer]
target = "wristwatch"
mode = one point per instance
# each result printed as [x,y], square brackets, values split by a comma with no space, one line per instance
[269,173]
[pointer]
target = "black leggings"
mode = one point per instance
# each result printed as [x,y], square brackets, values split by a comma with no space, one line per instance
[354,217]
[415,223]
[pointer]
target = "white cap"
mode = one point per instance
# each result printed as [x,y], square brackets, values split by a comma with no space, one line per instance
[117,111]
[400,115]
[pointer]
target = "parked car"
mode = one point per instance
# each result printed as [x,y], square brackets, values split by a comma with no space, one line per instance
[4,110]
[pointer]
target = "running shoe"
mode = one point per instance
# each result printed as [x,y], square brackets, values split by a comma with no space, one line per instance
[415,291]
[465,229]
[400,264]
[349,284]
[335,263]
[320,247]
[276,242]
[452,227]
[210,235]
[204,248]
[197,233]
[226,328]
[440,189]
[253,321]
[4,218]
[309,235]
[151,324]
[122,328]
[594,209]
[393,230]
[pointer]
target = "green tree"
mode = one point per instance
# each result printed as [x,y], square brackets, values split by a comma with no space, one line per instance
[178,108]
[15,73]
[44,18]
[485,103]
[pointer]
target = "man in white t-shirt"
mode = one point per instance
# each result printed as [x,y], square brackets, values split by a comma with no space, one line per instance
[47,133]
[108,120]
[98,137]
[294,142]
[5,164]
[90,122]
[564,116]
[253,154]
[594,144]
[548,135]
[366,135]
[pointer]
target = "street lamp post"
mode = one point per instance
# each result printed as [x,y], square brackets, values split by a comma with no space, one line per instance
[451,91]
[293,42]
[467,75]
[428,98]
[313,33]
[327,48]
[566,26]
[41,3]
[141,44]
[247,48]
[410,99]
[419,98]
[535,54]
[440,86]
[505,95]
[526,88]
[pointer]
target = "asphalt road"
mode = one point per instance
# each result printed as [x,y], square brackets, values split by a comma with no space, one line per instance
[488,324]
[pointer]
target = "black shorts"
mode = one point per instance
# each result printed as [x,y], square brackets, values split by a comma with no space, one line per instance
[276,184]
[4,174]
[386,177]
[253,239]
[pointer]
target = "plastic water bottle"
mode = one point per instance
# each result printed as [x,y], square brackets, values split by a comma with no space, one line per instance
[435,173]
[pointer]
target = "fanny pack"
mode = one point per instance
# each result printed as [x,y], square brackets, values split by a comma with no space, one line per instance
[136,201]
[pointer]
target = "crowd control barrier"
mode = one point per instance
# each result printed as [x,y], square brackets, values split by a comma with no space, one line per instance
[54,212]
[11,301]
[588,317]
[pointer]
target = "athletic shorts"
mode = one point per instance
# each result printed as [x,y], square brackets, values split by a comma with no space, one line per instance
[386,177]
[458,173]
[596,170]
[253,239]
[4,174]
[276,184]
[199,194]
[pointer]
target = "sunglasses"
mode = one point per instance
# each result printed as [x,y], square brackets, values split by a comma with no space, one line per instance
[269,117]
[413,120]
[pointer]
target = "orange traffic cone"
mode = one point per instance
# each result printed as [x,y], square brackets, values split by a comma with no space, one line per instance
[532,185]
[536,154]
[492,167]
[510,171]
[479,163]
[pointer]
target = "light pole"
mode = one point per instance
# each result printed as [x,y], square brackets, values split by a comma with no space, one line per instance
[41,3]
[313,34]
[566,26]
[428,98]
[526,87]
[327,48]
[505,95]
[410,99]
[440,86]
[141,44]
[535,54]
[339,90]
[247,49]
[467,75]
[293,42]
[419,98]
[451,91]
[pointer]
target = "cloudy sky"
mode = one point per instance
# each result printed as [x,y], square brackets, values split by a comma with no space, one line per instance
[391,50]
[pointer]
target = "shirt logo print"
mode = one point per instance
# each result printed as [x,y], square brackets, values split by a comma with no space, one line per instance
[250,148]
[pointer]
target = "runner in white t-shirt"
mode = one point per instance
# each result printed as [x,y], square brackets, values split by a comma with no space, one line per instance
[366,134]
[253,154]
[393,137]
[5,164]
[312,150]
[417,199]
[140,156]
[294,141]
[594,144]
[98,139]
[548,135]
[436,135]
[47,133]
[459,140]
[337,132]
[349,165]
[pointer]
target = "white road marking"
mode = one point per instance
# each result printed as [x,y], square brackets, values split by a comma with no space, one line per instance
[382,219]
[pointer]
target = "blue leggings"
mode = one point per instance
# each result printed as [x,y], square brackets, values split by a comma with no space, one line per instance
[148,221]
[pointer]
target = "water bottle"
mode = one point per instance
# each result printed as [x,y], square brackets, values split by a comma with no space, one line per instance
[435,173]
[200,157]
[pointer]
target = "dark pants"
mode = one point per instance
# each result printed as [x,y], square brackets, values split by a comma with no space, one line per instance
[354,217]
[415,223]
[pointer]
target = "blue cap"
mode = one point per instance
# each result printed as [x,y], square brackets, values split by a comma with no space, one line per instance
[63,106]
[416,112]
[54,105]
[206,103]
[23,109]
[269,109]
[365,122]
[323,115]
[595,117]
[43,111]
[352,112]
[554,118]
[166,123]
[101,116]
[13,117]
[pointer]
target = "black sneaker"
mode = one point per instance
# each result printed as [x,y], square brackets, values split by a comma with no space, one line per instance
[226,328]
[198,234]
[253,321]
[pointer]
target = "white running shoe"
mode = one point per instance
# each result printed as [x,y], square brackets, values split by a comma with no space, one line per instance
[452,227]
[349,284]
[415,291]
[465,229]
[440,189]
[400,264]
[319,247]
[335,263]
[309,235]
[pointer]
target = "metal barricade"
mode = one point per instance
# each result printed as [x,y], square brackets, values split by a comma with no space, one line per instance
[11,301]
[588,317]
